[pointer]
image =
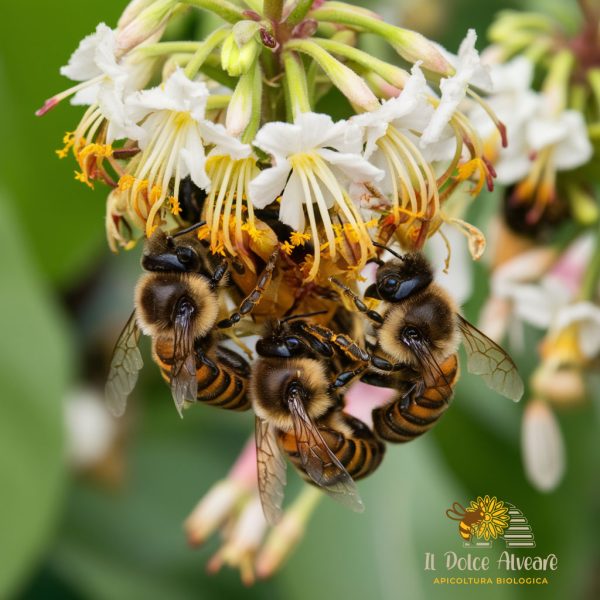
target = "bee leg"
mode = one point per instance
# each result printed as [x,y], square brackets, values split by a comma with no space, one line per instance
[358,303]
[255,296]
[347,345]
[346,377]
[218,274]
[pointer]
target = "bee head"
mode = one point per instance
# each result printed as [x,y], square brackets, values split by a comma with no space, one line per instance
[401,278]
[172,253]
[424,323]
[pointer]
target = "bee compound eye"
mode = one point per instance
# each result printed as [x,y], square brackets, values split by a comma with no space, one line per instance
[411,333]
[293,344]
[185,255]
[389,284]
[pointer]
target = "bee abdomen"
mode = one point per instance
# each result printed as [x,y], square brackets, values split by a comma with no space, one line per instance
[409,417]
[220,382]
[360,453]
[464,530]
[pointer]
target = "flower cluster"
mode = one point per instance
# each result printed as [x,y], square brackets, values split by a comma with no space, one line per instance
[235,114]
[223,137]
[545,263]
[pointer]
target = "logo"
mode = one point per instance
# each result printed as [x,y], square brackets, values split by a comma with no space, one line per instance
[488,519]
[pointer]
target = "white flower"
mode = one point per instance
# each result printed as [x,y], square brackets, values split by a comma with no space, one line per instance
[105,82]
[172,135]
[469,71]
[585,316]
[391,145]
[315,161]
[542,446]
[514,103]
[231,166]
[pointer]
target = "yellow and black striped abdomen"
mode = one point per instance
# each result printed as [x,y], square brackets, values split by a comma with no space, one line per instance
[353,444]
[222,377]
[464,531]
[411,416]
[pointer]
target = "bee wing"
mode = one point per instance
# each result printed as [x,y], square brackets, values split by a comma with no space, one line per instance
[319,462]
[488,359]
[125,366]
[271,471]
[184,385]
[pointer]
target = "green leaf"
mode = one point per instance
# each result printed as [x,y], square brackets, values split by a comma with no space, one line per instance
[33,359]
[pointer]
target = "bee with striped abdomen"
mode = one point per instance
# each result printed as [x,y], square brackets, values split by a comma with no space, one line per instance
[298,414]
[177,305]
[417,337]
[468,519]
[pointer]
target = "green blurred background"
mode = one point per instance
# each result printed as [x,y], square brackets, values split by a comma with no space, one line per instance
[115,531]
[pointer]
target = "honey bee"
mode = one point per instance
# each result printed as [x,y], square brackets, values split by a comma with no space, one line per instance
[298,414]
[469,519]
[177,305]
[417,339]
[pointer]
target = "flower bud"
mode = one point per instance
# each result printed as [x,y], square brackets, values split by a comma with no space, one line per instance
[235,58]
[542,446]
[214,508]
[141,21]
[414,47]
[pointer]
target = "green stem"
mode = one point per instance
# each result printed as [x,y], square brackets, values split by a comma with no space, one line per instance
[556,84]
[593,76]
[273,9]
[299,11]
[296,81]
[163,48]
[218,101]
[393,75]
[411,45]
[592,274]
[224,9]
[204,50]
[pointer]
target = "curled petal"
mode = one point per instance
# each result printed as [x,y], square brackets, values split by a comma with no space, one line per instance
[269,184]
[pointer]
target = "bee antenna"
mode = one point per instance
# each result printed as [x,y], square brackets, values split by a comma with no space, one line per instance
[383,247]
[189,229]
[303,316]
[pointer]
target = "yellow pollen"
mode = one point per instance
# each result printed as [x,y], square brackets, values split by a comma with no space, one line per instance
[68,141]
[79,176]
[299,239]
[218,248]
[126,182]
[203,232]
[99,150]
[174,205]
[287,248]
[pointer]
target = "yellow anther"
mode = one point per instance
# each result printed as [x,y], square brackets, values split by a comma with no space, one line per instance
[299,239]
[287,248]
[174,205]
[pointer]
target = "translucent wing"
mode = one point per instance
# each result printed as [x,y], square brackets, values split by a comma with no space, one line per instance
[486,358]
[271,471]
[184,385]
[125,366]
[319,462]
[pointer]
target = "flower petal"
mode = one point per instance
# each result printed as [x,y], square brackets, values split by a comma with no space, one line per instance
[291,211]
[82,65]
[225,143]
[269,184]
